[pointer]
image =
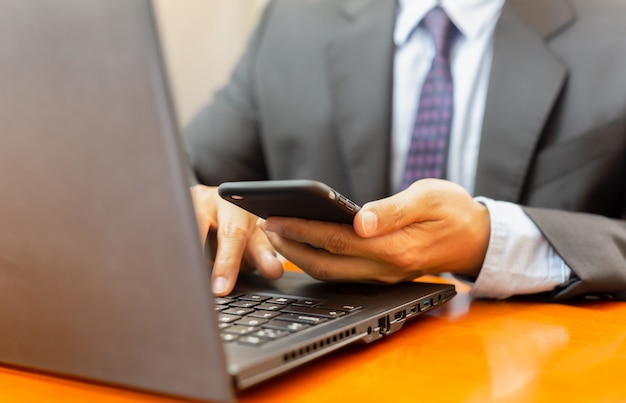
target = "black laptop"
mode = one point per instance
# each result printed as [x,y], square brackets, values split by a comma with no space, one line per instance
[102,276]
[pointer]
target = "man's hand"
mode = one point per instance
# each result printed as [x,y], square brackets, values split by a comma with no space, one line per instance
[433,226]
[239,239]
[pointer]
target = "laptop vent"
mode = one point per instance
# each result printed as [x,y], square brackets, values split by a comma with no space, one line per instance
[318,345]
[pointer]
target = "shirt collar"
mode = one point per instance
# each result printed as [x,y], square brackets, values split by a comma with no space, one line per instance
[471,17]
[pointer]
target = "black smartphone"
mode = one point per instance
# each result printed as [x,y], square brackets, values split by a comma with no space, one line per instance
[299,198]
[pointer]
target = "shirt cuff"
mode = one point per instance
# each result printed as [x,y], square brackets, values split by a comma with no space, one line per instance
[519,259]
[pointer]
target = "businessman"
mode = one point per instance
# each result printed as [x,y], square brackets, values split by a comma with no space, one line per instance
[521,187]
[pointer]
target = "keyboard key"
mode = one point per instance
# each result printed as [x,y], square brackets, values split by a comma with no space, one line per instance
[223,300]
[240,330]
[284,325]
[270,334]
[327,313]
[254,297]
[251,341]
[225,318]
[345,308]
[270,307]
[250,321]
[244,304]
[227,337]
[237,311]
[307,302]
[281,300]
[308,319]
[264,314]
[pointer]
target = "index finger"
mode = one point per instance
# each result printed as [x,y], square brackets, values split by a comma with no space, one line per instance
[234,228]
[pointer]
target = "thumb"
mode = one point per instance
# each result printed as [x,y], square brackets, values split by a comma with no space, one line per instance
[387,215]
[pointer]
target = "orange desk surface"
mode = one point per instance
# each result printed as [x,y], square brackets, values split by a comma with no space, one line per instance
[467,351]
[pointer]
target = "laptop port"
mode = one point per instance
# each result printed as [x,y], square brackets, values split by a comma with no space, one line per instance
[400,315]
[414,310]
[383,324]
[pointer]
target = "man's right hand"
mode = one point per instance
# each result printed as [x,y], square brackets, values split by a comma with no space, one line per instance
[239,240]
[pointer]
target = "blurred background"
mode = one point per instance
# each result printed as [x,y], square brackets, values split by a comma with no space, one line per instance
[202,40]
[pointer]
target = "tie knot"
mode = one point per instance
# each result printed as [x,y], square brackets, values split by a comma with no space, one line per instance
[441,28]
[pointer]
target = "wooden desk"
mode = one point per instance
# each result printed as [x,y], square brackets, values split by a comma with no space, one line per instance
[468,351]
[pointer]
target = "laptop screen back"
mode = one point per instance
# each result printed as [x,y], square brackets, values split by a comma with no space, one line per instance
[101,273]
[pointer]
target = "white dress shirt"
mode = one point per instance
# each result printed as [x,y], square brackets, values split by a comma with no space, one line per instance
[519,260]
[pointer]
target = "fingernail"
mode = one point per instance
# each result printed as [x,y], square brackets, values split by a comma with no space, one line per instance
[220,284]
[272,267]
[369,221]
[269,258]
[271,227]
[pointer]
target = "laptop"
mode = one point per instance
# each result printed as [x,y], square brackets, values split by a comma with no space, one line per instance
[102,275]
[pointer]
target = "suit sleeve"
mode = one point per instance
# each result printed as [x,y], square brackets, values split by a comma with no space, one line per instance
[222,140]
[593,246]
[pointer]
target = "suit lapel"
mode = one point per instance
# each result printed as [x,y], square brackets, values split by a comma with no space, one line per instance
[525,82]
[360,68]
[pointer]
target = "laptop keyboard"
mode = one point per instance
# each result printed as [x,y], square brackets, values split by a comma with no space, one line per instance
[256,319]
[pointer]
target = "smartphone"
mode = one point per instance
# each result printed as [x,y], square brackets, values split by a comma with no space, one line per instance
[299,198]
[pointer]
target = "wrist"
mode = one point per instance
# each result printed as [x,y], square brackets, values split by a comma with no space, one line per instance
[480,232]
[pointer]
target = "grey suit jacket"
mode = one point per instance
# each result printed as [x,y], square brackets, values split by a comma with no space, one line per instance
[311,98]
